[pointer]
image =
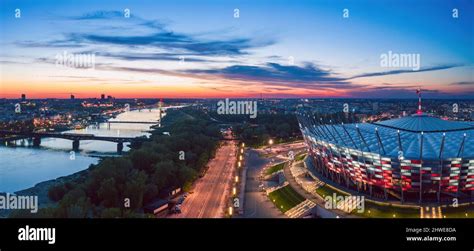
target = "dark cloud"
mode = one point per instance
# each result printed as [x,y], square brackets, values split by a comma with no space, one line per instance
[119,15]
[276,73]
[394,72]
[159,37]
[306,76]
[176,41]
[463,83]
[176,57]
[100,14]
[51,44]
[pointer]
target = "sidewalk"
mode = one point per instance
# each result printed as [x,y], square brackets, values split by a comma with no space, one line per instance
[315,198]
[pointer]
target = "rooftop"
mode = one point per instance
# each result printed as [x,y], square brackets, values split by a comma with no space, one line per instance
[411,130]
[425,123]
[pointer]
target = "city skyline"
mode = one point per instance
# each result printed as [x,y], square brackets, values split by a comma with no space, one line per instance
[237,49]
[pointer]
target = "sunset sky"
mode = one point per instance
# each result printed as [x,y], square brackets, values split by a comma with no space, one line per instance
[274,48]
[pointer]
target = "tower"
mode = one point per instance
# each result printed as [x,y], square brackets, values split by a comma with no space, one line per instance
[418,91]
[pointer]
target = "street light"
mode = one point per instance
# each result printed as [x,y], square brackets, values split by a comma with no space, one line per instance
[270,141]
[236,179]
[239,164]
[243,144]
[234,191]
[230,211]
[240,157]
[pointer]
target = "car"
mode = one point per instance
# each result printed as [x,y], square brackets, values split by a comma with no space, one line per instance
[178,210]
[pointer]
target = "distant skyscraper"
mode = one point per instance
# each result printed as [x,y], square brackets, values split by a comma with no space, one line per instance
[102,96]
[23,97]
[72,97]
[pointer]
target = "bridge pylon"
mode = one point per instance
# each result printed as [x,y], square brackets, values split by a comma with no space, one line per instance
[36,141]
[75,145]
[119,147]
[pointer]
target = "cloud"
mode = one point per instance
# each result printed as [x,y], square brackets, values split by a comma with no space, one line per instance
[143,39]
[60,43]
[394,72]
[156,36]
[308,75]
[176,41]
[100,14]
[119,15]
[463,83]
[176,57]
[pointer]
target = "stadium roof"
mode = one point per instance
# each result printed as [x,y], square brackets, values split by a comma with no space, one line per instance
[424,123]
[364,137]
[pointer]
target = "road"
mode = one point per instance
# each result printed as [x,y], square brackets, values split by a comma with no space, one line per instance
[210,193]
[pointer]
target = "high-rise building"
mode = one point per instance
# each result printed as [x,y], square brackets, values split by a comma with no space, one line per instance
[72,97]
[23,97]
[102,96]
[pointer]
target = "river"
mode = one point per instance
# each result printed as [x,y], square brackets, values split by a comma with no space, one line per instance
[24,166]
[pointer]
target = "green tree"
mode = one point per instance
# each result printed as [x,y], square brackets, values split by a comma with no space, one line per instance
[108,193]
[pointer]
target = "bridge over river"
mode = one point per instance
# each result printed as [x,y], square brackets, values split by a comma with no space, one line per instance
[75,137]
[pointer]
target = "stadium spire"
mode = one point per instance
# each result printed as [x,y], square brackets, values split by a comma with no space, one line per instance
[418,91]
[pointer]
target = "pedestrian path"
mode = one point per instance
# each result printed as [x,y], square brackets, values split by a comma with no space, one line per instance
[305,184]
[431,212]
[301,210]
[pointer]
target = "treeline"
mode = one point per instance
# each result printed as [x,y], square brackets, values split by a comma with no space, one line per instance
[164,162]
[257,131]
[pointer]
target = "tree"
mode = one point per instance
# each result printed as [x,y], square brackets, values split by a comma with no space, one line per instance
[144,159]
[108,193]
[56,193]
[164,174]
[112,212]
[135,189]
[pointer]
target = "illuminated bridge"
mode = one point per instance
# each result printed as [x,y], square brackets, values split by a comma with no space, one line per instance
[76,138]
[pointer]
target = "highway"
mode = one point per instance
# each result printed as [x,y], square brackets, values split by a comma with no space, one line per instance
[211,192]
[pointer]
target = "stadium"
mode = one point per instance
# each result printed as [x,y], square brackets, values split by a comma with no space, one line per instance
[417,159]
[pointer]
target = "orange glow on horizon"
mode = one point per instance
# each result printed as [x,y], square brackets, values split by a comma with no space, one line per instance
[40,90]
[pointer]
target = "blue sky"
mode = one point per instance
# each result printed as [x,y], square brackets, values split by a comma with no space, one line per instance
[331,56]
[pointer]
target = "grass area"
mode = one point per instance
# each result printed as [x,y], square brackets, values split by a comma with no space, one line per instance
[326,190]
[275,168]
[458,212]
[285,198]
[300,157]
[373,209]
